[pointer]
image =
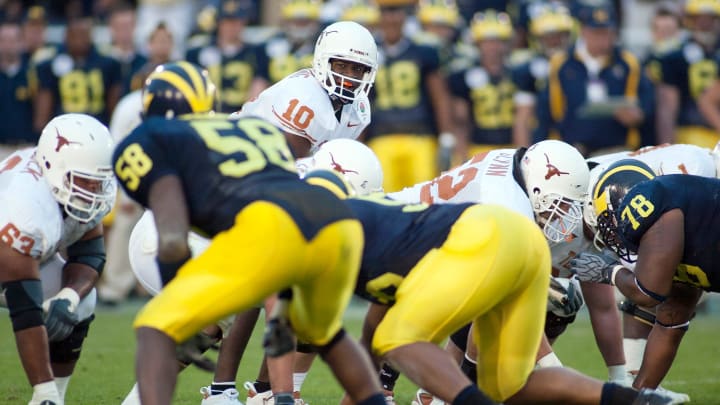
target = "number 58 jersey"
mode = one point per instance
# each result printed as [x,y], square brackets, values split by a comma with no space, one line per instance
[299,105]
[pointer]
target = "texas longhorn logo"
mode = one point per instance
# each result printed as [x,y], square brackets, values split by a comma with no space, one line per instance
[551,169]
[62,141]
[336,166]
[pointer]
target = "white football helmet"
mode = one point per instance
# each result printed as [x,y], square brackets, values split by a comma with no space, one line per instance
[350,41]
[75,152]
[556,180]
[354,160]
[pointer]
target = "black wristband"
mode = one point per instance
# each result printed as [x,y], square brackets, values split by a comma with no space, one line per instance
[168,270]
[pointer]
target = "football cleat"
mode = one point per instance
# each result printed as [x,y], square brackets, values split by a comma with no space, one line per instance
[423,397]
[677,397]
[649,396]
[227,397]
[258,398]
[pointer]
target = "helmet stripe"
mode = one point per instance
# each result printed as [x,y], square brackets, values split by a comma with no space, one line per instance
[183,87]
[197,80]
[600,183]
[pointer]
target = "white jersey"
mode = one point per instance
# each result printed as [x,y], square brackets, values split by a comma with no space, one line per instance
[31,220]
[487,178]
[300,106]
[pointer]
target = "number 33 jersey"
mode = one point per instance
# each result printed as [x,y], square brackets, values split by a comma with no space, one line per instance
[487,178]
[699,200]
[31,220]
[299,105]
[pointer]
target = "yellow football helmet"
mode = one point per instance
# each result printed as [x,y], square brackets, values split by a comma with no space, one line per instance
[440,12]
[696,7]
[301,9]
[551,20]
[178,88]
[362,12]
[491,25]
[395,3]
[608,193]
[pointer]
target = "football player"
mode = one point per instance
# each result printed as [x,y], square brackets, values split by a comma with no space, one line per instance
[685,73]
[234,180]
[54,197]
[292,49]
[240,69]
[416,252]
[329,101]
[546,182]
[411,102]
[482,94]
[666,226]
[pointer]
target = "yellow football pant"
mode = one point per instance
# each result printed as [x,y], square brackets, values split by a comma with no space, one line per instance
[493,269]
[263,253]
[696,135]
[405,159]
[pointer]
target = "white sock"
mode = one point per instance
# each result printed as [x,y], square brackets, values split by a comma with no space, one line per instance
[549,360]
[62,386]
[298,380]
[634,350]
[45,391]
[133,397]
[617,374]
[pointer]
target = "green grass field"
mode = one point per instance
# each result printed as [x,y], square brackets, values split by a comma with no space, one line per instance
[105,372]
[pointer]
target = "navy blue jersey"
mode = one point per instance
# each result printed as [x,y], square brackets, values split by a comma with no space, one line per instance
[231,72]
[531,76]
[16,106]
[561,103]
[691,69]
[224,165]
[491,104]
[397,236]
[401,104]
[80,86]
[699,200]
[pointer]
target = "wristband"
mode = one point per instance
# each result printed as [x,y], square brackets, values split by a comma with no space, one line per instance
[614,273]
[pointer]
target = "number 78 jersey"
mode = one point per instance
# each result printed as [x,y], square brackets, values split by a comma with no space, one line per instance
[487,178]
[299,105]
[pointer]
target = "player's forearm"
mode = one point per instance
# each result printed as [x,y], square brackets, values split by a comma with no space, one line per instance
[660,352]
[80,277]
[626,283]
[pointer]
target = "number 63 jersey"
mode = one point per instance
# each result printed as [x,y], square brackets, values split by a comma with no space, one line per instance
[699,200]
[224,164]
[299,105]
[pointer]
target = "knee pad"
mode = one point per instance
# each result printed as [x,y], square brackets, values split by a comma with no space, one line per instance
[556,325]
[68,350]
[460,337]
[24,301]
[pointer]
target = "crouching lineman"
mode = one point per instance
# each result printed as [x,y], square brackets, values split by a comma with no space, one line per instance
[235,181]
[54,197]
[461,252]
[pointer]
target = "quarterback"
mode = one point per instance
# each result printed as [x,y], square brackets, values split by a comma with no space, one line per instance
[54,197]
[328,101]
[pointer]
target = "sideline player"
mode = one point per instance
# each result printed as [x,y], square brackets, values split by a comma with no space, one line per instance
[54,197]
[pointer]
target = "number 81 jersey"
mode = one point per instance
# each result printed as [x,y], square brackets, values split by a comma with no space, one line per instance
[299,105]
[699,200]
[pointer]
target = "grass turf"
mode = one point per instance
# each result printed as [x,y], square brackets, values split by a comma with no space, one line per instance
[105,371]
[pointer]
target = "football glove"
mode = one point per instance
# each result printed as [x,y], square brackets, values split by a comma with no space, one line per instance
[59,314]
[191,351]
[594,267]
[564,298]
